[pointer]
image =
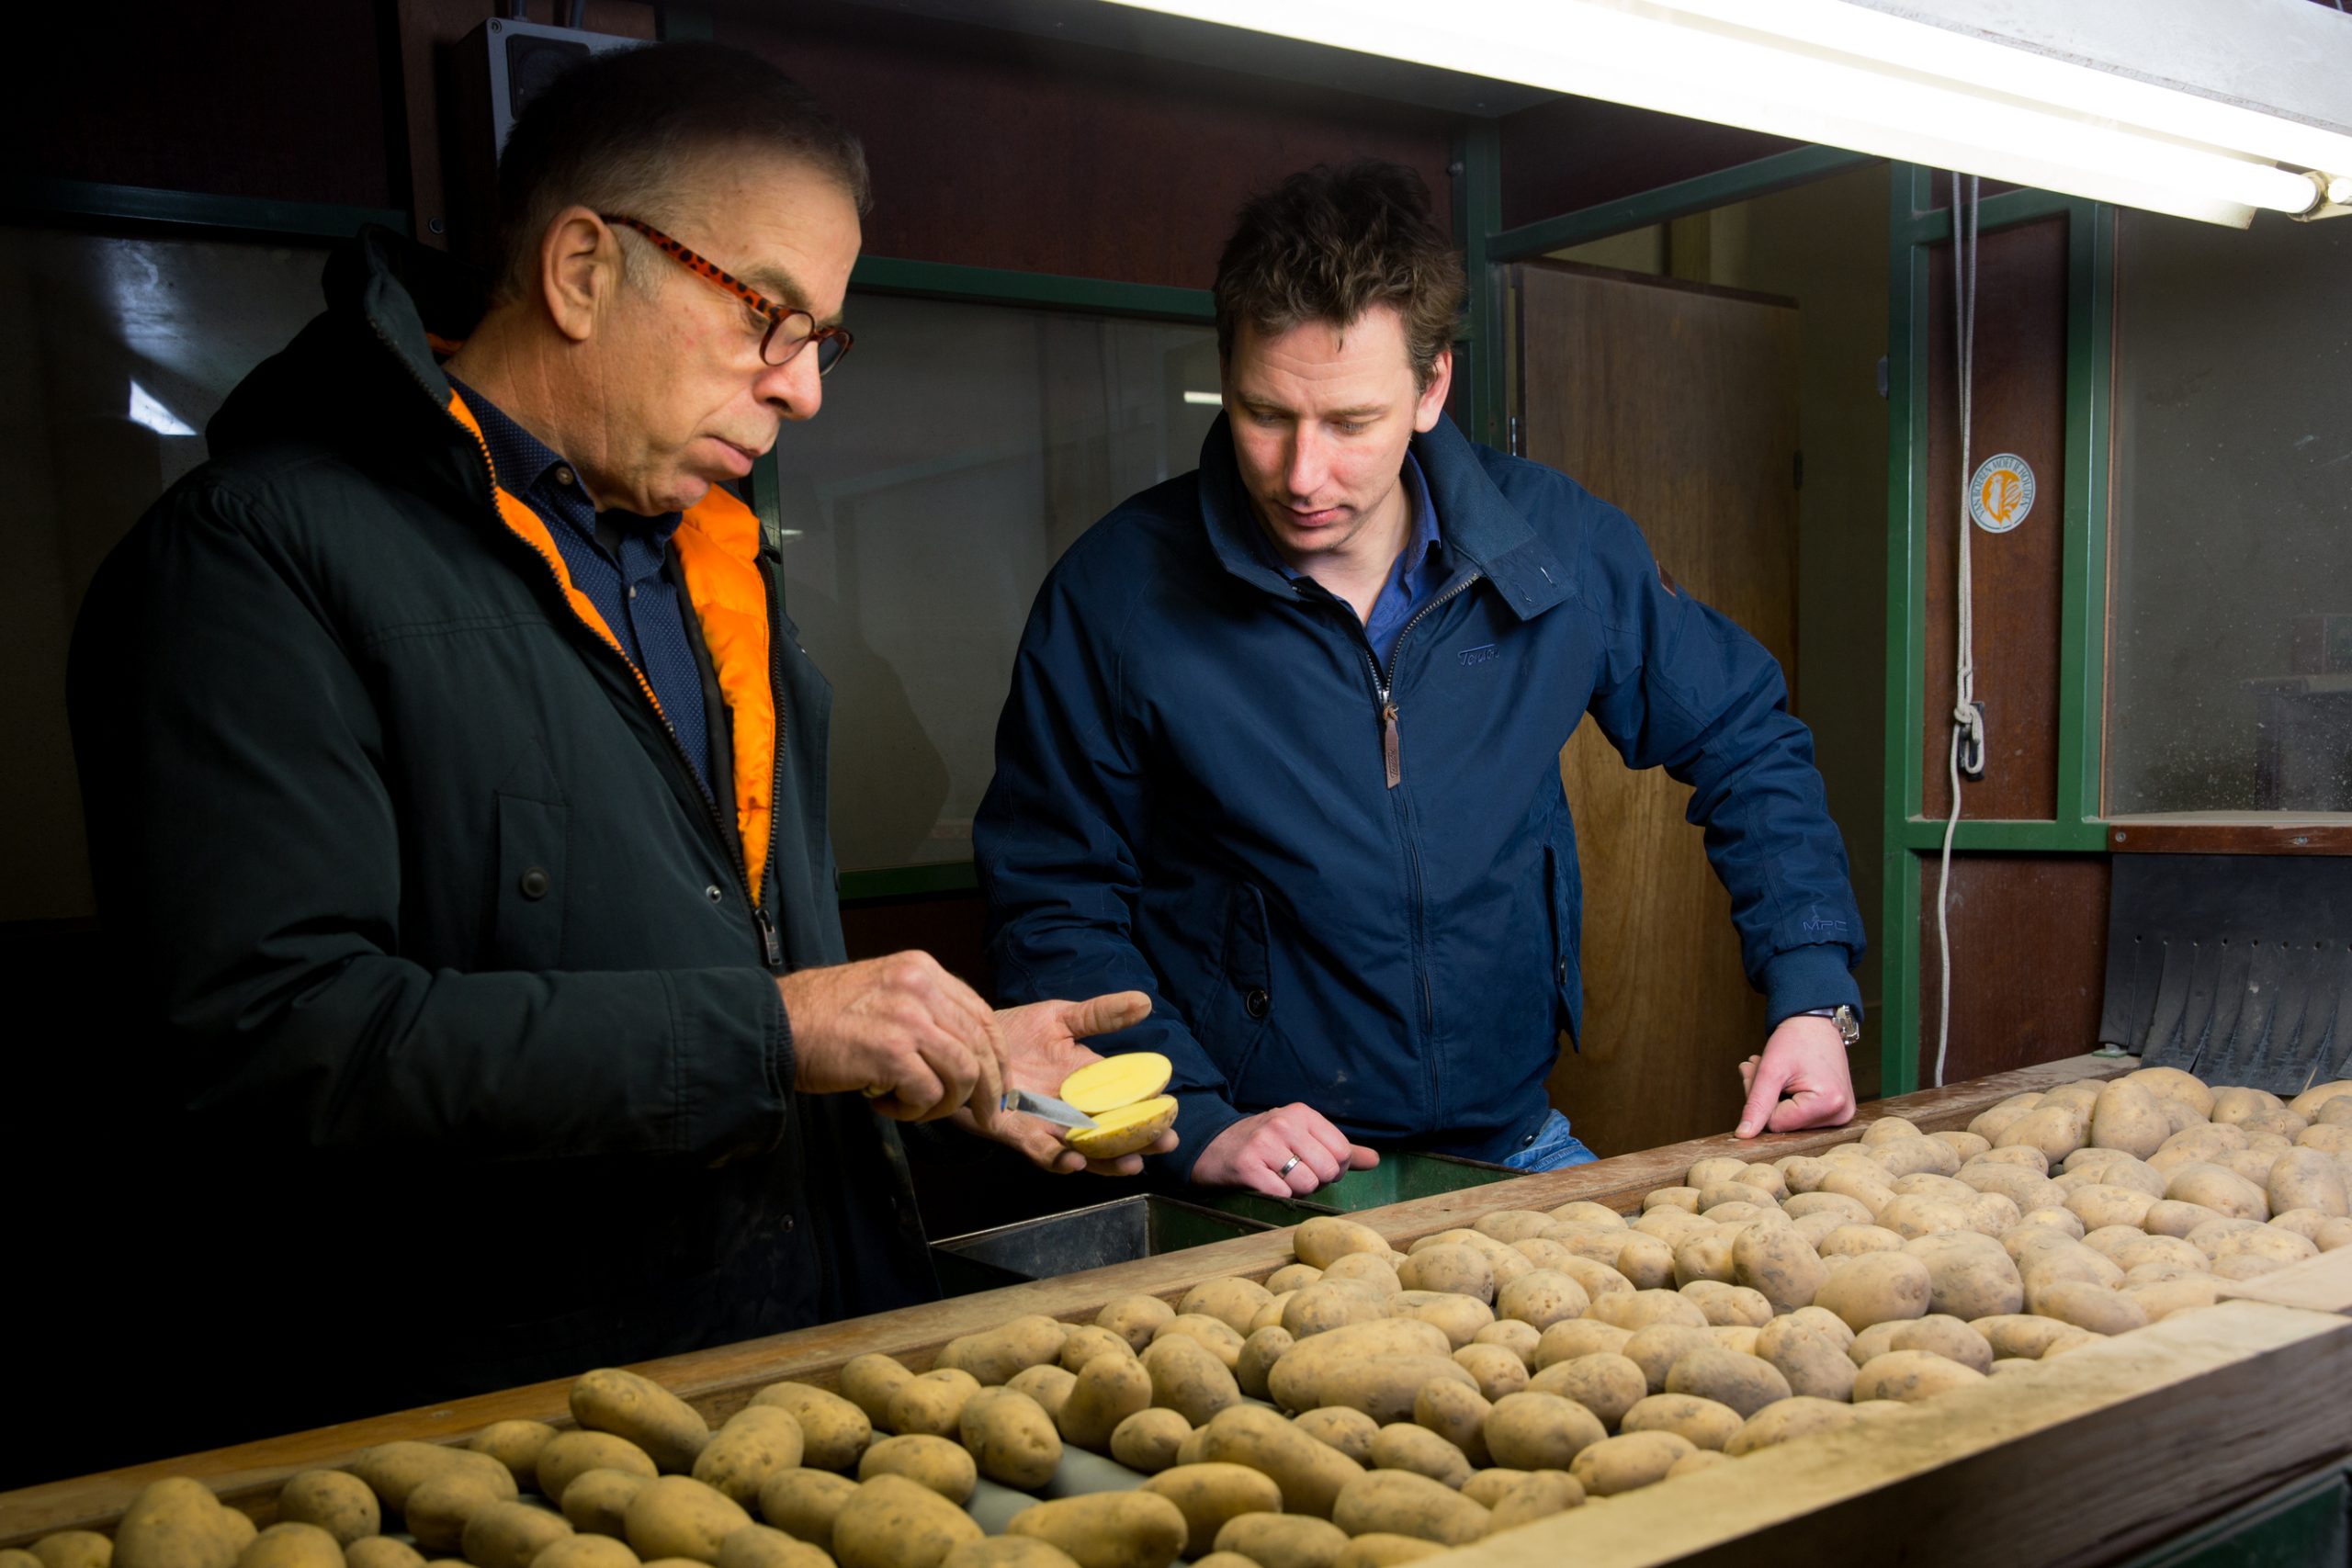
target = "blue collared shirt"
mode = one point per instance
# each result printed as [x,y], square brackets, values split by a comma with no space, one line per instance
[1419,571]
[616,558]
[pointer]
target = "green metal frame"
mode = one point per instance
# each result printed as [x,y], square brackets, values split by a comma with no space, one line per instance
[1743,182]
[1478,214]
[31,200]
[1912,840]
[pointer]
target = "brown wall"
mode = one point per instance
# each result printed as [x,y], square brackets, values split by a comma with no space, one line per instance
[2029,947]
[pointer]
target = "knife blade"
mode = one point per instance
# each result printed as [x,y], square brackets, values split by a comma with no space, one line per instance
[1059,1113]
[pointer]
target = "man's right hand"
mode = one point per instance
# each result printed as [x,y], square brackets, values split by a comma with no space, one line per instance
[1252,1152]
[912,1037]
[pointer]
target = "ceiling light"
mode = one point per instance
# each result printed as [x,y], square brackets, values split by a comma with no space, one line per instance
[1205,399]
[1840,75]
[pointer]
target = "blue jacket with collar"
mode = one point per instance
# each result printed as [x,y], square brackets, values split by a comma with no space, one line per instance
[1192,799]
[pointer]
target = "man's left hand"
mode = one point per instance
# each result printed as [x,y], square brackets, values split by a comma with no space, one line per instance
[1805,1059]
[1041,1048]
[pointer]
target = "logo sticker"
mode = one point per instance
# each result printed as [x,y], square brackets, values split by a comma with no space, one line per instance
[2001,494]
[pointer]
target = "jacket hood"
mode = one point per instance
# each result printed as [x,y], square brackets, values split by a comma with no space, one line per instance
[362,377]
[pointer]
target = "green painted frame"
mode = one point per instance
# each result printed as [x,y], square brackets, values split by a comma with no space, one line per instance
[1912,841]
[979,285]
[31,200]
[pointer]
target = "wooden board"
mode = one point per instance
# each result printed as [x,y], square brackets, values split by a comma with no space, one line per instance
[1678,404]
[720,1381]
[2316,1284]
[2029,950]
[2102,1452]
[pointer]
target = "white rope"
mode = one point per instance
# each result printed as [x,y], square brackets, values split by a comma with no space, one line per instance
[1967,723]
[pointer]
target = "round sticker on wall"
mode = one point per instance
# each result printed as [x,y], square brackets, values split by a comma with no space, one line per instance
[2001,493]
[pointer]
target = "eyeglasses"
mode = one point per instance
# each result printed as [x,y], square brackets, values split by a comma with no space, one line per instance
[788,330]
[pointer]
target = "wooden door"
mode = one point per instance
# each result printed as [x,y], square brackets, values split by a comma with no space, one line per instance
[1678,403]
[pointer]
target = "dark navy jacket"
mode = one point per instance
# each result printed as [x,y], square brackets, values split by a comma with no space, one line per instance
[1192,799]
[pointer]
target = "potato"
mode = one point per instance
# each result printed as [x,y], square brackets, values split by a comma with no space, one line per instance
[1542,1298]
[1536,1495]
[89,1549]
[1210,1494]
[992,1358]
[1851,1241]
[1407,1446]
[892,1522]
[834,1432]
[1539,1431]
[1496,1368]
[1350,1431]
[947,1468]
[1910,1376]
[1459,1318]
[1308,1472]
[606,1551]
[597,1501]
[2172,1083]
[1657,1348]
[2221,1190]
[510,1534]
[1147,1440]
[1109,1389]
[2056,1130]
[1604,1382]
[1456,1414]
[1799,1416]
[755,1546]
[1648,1308]
[1944,1336]
[1813,1364]
[668,1429]
[438,1508]
[803,1503]
[1968,1276]
[758,1441]
[1876,1287]
[676,1515]
[1188,1378]
[1683,1198]
[1368,1269]
[1281,1540]
[1128,1129]
[2306,1179]
[1108,1529]
[1328,1304]
[1232,1302]
[1645,1262]
[1011,1439]
[1706,1256]
[1729,1306]
[1458,1267]
[1747,1383]
[870,1381]
[289,1545]
[393,1470]
[1779,1265]
[2020,1336]
[1373,1366]
[335,1500]
[383,1552]
[2160,1299]
[2280,1246]
[1704,1423]
[931,1404]
[1396,1502]
[1325,1239]
[1626,1462]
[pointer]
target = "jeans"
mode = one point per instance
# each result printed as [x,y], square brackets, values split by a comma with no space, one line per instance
[1552,1147]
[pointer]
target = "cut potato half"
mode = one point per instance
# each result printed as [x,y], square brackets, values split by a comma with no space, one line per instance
[1118,1080]
[1125,1130]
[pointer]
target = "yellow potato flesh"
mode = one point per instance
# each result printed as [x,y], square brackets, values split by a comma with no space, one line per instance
[1125,1130]
[1115,1081]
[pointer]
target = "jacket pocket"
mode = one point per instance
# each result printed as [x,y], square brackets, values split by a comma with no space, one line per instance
[1564,891]
[1246,982]
[533,884]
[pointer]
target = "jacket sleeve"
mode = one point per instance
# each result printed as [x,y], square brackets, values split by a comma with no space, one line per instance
[248,859]
[1684,688]
[1055,842]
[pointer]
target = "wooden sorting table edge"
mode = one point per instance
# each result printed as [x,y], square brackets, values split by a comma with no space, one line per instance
[720,1381]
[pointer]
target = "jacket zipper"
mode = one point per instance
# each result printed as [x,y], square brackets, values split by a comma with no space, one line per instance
[771,943]
[1391,747]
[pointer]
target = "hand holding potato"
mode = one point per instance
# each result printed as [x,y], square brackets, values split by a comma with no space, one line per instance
[1805,1059]
[914,1038]
[1041,1044]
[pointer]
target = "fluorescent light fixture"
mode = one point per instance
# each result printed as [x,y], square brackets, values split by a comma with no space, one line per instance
[146,410]
[1843,75]
[1205,399]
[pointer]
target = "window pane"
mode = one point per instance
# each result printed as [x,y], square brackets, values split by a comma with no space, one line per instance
[2230,673]
[113,354]
[957,453]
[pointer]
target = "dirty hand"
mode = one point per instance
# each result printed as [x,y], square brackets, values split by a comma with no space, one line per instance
[913,1038]
[1253,1151]
[1042,1048]
[1805,1059]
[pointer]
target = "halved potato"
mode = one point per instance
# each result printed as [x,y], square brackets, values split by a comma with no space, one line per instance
[1114,1081]
[1125,1130]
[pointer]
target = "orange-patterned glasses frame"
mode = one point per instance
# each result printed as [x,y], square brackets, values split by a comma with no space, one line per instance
[789,331]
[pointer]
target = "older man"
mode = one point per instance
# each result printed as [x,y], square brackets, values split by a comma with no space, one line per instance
[1282,744]
[456,784]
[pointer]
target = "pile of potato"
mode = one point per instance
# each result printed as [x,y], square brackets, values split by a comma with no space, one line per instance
[1363,1406]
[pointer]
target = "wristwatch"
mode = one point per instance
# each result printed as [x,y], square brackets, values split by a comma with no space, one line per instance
[1849,1023]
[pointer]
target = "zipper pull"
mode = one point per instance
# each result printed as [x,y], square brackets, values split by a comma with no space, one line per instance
[1389,750]
[770,941]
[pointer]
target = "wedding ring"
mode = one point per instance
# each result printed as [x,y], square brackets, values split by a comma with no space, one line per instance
[1288,1166]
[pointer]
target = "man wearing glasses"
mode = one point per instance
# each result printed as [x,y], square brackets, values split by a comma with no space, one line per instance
[457,785]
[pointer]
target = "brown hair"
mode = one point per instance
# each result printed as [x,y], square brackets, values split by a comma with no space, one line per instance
[1328,244]
[619,132]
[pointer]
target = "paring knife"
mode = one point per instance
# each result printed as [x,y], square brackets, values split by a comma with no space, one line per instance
[1059,1113]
